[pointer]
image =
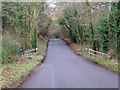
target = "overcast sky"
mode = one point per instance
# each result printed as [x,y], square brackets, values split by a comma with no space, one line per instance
[51,3]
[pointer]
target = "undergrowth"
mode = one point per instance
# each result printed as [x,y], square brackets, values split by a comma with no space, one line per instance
[13,73]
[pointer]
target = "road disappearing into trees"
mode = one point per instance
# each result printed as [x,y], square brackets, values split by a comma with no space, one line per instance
[64,69]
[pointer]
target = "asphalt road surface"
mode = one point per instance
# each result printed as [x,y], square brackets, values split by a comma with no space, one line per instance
[64,69]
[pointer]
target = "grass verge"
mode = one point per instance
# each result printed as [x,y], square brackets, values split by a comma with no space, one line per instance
[112,65]
[80,50]
[13,73]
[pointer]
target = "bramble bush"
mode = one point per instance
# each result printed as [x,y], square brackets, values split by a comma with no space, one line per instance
[10,48]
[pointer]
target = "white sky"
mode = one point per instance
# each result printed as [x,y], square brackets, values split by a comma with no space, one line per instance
[51,3]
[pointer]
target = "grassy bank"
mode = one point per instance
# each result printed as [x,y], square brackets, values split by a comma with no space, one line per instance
[13,73]
[107,63]
[110,64]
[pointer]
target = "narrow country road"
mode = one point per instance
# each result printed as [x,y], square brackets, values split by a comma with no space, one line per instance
[64,69]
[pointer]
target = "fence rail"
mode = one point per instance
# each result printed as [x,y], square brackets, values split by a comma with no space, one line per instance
[32,50]
[96,53]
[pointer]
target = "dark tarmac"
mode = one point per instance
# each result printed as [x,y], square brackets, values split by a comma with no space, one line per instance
[64,69]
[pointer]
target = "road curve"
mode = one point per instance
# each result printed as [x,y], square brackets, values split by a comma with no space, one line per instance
[64,69]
